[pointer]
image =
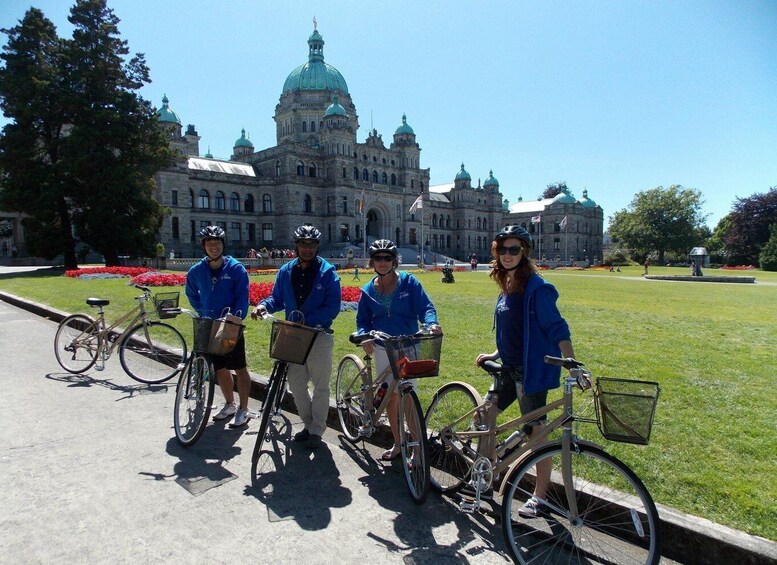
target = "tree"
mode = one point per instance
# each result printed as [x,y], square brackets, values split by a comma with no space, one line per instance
[33,179]
[82,160]
[768,256]
[554,189]
[748,231]
[660,220]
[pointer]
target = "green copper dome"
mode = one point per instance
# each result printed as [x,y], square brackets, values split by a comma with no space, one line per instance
[335,109]
[165,114]
[564,197]
[587,202]
[243,142]
[315,74]
[404,128]
[462,174]
[491,180]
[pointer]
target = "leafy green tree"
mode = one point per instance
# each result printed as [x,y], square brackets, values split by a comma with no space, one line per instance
[768,256]
[81,158]
[748,231]
[554,189]
[33,179]
[660,220]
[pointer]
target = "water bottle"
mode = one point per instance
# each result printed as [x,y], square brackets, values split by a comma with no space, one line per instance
[379,394]
[512,441]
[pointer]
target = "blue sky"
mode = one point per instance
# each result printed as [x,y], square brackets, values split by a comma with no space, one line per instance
[615,97]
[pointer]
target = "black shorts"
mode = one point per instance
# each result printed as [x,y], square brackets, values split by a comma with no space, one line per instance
[236,359]
[509,387]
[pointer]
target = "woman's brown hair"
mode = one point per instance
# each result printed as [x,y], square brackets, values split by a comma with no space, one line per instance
[520,275]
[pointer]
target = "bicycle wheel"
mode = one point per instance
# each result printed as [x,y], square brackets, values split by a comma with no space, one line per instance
[450,462]
[270,406]
[617,523]
[76,343]
[153,352]
[349,396]
[193,399]
[412,441]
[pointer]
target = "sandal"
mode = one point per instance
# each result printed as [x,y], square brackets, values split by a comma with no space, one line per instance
[389,455]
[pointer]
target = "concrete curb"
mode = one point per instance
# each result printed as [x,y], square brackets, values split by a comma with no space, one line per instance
[686,538]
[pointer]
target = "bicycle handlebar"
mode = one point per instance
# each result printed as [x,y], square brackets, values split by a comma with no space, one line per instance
[357,339]
[566,362]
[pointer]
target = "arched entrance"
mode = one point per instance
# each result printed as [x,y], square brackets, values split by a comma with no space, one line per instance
[374,228]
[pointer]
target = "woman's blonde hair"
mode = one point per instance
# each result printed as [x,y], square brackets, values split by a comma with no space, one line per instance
[520,274]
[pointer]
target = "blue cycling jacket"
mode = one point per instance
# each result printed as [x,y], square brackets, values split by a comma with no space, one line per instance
[409,306]
[230,289]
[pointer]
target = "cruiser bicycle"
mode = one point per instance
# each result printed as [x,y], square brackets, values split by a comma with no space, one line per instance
[596,509]
[149,351]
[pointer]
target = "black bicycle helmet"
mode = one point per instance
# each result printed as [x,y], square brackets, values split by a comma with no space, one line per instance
[385,245]
[307,231]
[212,232]
[517,232]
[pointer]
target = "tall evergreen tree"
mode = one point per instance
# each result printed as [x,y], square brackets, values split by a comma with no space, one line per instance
[33,172]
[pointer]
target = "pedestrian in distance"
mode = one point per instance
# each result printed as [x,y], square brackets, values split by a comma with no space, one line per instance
[394,303]
[308,285]
[356,273]
[213,284]
[528,327]
[647,264]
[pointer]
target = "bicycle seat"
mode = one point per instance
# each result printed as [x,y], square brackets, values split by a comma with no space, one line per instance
[491,367]
[98,301]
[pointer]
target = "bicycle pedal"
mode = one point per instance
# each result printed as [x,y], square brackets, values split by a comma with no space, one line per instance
[469,506]
[98,368]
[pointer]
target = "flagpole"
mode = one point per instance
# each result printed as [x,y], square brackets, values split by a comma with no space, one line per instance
[422,230]
[364,227]
[539,249]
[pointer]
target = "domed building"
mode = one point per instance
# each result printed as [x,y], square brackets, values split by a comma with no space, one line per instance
[319,172]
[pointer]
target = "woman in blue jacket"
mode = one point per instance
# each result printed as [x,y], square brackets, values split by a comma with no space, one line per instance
[528,327]
[394,303]
[309,285]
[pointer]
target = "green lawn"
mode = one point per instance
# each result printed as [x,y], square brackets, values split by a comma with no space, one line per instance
[713,452]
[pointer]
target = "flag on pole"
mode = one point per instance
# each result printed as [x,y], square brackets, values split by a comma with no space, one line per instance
[536,219]
[419,203]
[563,223]
[361,202]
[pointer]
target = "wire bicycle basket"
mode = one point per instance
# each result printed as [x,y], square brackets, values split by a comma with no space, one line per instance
[208,339]
[414,356]
[625,409]
[291,342]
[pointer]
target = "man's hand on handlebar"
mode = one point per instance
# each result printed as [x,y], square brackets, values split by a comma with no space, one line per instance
[259,312]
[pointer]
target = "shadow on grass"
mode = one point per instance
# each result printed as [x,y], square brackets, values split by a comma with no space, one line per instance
[42,273]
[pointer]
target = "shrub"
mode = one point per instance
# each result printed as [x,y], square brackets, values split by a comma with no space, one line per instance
[768,256]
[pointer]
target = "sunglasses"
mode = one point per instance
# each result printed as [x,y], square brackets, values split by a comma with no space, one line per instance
[382,258]
[307,244]
[512,250]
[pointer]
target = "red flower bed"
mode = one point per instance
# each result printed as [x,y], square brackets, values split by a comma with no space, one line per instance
[123,271]
[160,279]
[738,267]
[351,293]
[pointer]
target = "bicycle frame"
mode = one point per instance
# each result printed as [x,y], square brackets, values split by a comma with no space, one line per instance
[372,414]
[105,347]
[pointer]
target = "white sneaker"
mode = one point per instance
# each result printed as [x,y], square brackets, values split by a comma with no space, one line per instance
[241,418]
[226,412]
[531,508]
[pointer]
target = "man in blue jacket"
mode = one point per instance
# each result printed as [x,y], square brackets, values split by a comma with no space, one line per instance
[214,284]
[308,285]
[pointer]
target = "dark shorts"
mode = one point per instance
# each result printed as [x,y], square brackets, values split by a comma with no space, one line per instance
[234,360]
[509,387]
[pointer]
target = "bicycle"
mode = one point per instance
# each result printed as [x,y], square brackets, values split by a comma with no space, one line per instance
[612,520]
[150,352]
[197,382]
[361,400]
[289,343]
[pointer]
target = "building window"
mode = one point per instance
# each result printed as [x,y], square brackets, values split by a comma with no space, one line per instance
[375,177]
[204,200]
[176,229]
[267,232]
[399,212]
[304,127]
[365,175]
[345,204]
[251,228]
[174,198]
[383,178]
[412,183]
[556,243]
[312,170]
[355,173]
[222,225]
[234,202]
[234,231]
[249,204]
[313,126]
[478,223]
[307,204]
[434,220]
[300,169]
[267,204]
[345,173]
[220,201]
[393,179]
[277,168]
[193,235]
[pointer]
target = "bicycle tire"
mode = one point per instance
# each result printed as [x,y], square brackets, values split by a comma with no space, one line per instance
[618,524]
[193,399]
[152,353]
[413,447]
[448,470]
[77,343]
[270,405]
[349,396]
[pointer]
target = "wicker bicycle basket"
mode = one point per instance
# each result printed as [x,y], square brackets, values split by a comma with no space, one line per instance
[164,301]
[625,409]
[416,356]
[204,339]
[291,342]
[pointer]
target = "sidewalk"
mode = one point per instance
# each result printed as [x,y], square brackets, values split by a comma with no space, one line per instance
[687,539]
